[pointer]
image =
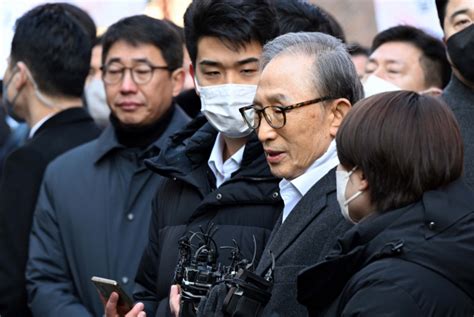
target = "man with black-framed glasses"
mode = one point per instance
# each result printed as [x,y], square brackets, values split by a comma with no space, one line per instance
[94,208]
[307,86]
[274,115]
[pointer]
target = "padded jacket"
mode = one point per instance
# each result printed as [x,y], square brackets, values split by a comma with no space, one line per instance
[412,261]
[246,205]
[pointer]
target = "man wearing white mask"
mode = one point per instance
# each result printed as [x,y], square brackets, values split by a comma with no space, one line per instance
[215,168]
[94,91]
[404,57]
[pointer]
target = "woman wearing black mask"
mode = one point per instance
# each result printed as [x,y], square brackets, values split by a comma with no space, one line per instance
[412,250]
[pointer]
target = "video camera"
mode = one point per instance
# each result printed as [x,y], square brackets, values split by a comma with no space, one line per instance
[197,271]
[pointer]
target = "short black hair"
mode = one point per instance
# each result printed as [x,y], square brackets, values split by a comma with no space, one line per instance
[142,29]
[441,8]
[55,47]
[234,22]
[435,65]
[83,18]
[302,16]
[398,140]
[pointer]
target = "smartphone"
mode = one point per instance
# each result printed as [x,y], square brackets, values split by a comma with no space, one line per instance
[106,286]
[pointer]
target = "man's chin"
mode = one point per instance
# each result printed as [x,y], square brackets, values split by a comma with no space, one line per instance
[277,171]
[130,120]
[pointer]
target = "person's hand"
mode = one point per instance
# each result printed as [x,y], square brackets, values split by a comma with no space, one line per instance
[113,310]
[175,299]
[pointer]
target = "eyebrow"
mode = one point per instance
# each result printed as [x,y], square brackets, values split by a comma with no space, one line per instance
[388,61]
[277,97]
[206,62]
[135,60]
[249,60]
[459,12]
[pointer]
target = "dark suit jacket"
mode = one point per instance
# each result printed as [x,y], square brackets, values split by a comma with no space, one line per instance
[305,238]
[460,99]
[21,180]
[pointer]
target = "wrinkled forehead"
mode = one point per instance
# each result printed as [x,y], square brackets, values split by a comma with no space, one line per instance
[126,52]
[286,78]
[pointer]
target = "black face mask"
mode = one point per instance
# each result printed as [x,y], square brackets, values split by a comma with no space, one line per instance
[461,52]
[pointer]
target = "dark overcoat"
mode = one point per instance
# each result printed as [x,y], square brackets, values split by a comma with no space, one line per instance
[21,180]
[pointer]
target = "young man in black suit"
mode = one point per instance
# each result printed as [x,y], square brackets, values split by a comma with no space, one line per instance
[42,85]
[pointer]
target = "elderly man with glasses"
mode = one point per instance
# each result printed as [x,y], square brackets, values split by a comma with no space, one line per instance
[307,85]
[94,207]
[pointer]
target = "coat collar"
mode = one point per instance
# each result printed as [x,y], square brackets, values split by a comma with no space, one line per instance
[107,141]
[437,202]
[308,208]
[190,148]
[455,91]
[64,117]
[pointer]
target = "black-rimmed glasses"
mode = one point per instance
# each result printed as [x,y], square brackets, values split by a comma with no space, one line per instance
[142,73]
[274,115]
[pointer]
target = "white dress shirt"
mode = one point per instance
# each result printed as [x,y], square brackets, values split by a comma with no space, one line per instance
[292,191]
[223,170]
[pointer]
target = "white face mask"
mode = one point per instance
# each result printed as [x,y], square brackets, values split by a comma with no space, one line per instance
[374,85]
[220,104]
[96,101]
[342,178]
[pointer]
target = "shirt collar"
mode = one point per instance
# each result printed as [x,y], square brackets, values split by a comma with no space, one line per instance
[38,125]
[292,191]
[223,170]
[317,170]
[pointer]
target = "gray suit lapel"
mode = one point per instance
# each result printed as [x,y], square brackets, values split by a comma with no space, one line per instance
[309,207]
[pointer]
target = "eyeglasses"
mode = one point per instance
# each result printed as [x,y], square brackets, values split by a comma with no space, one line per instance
[141,73]
[274,115]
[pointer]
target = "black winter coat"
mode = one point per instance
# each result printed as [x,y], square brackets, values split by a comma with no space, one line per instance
[247,205]
[414,261]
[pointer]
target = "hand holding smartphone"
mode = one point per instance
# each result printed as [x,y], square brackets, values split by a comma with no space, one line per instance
[107,286]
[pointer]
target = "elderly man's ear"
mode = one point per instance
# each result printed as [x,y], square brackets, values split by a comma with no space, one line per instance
[339,109]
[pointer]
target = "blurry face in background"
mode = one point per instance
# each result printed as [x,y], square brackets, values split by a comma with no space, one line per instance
[399,64]
[96,62]
[141,104]
[217,64]
[188,78]
[94,90]
[360,61]
[459,15]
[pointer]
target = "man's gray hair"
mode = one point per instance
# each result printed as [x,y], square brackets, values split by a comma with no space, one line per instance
[334,73]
